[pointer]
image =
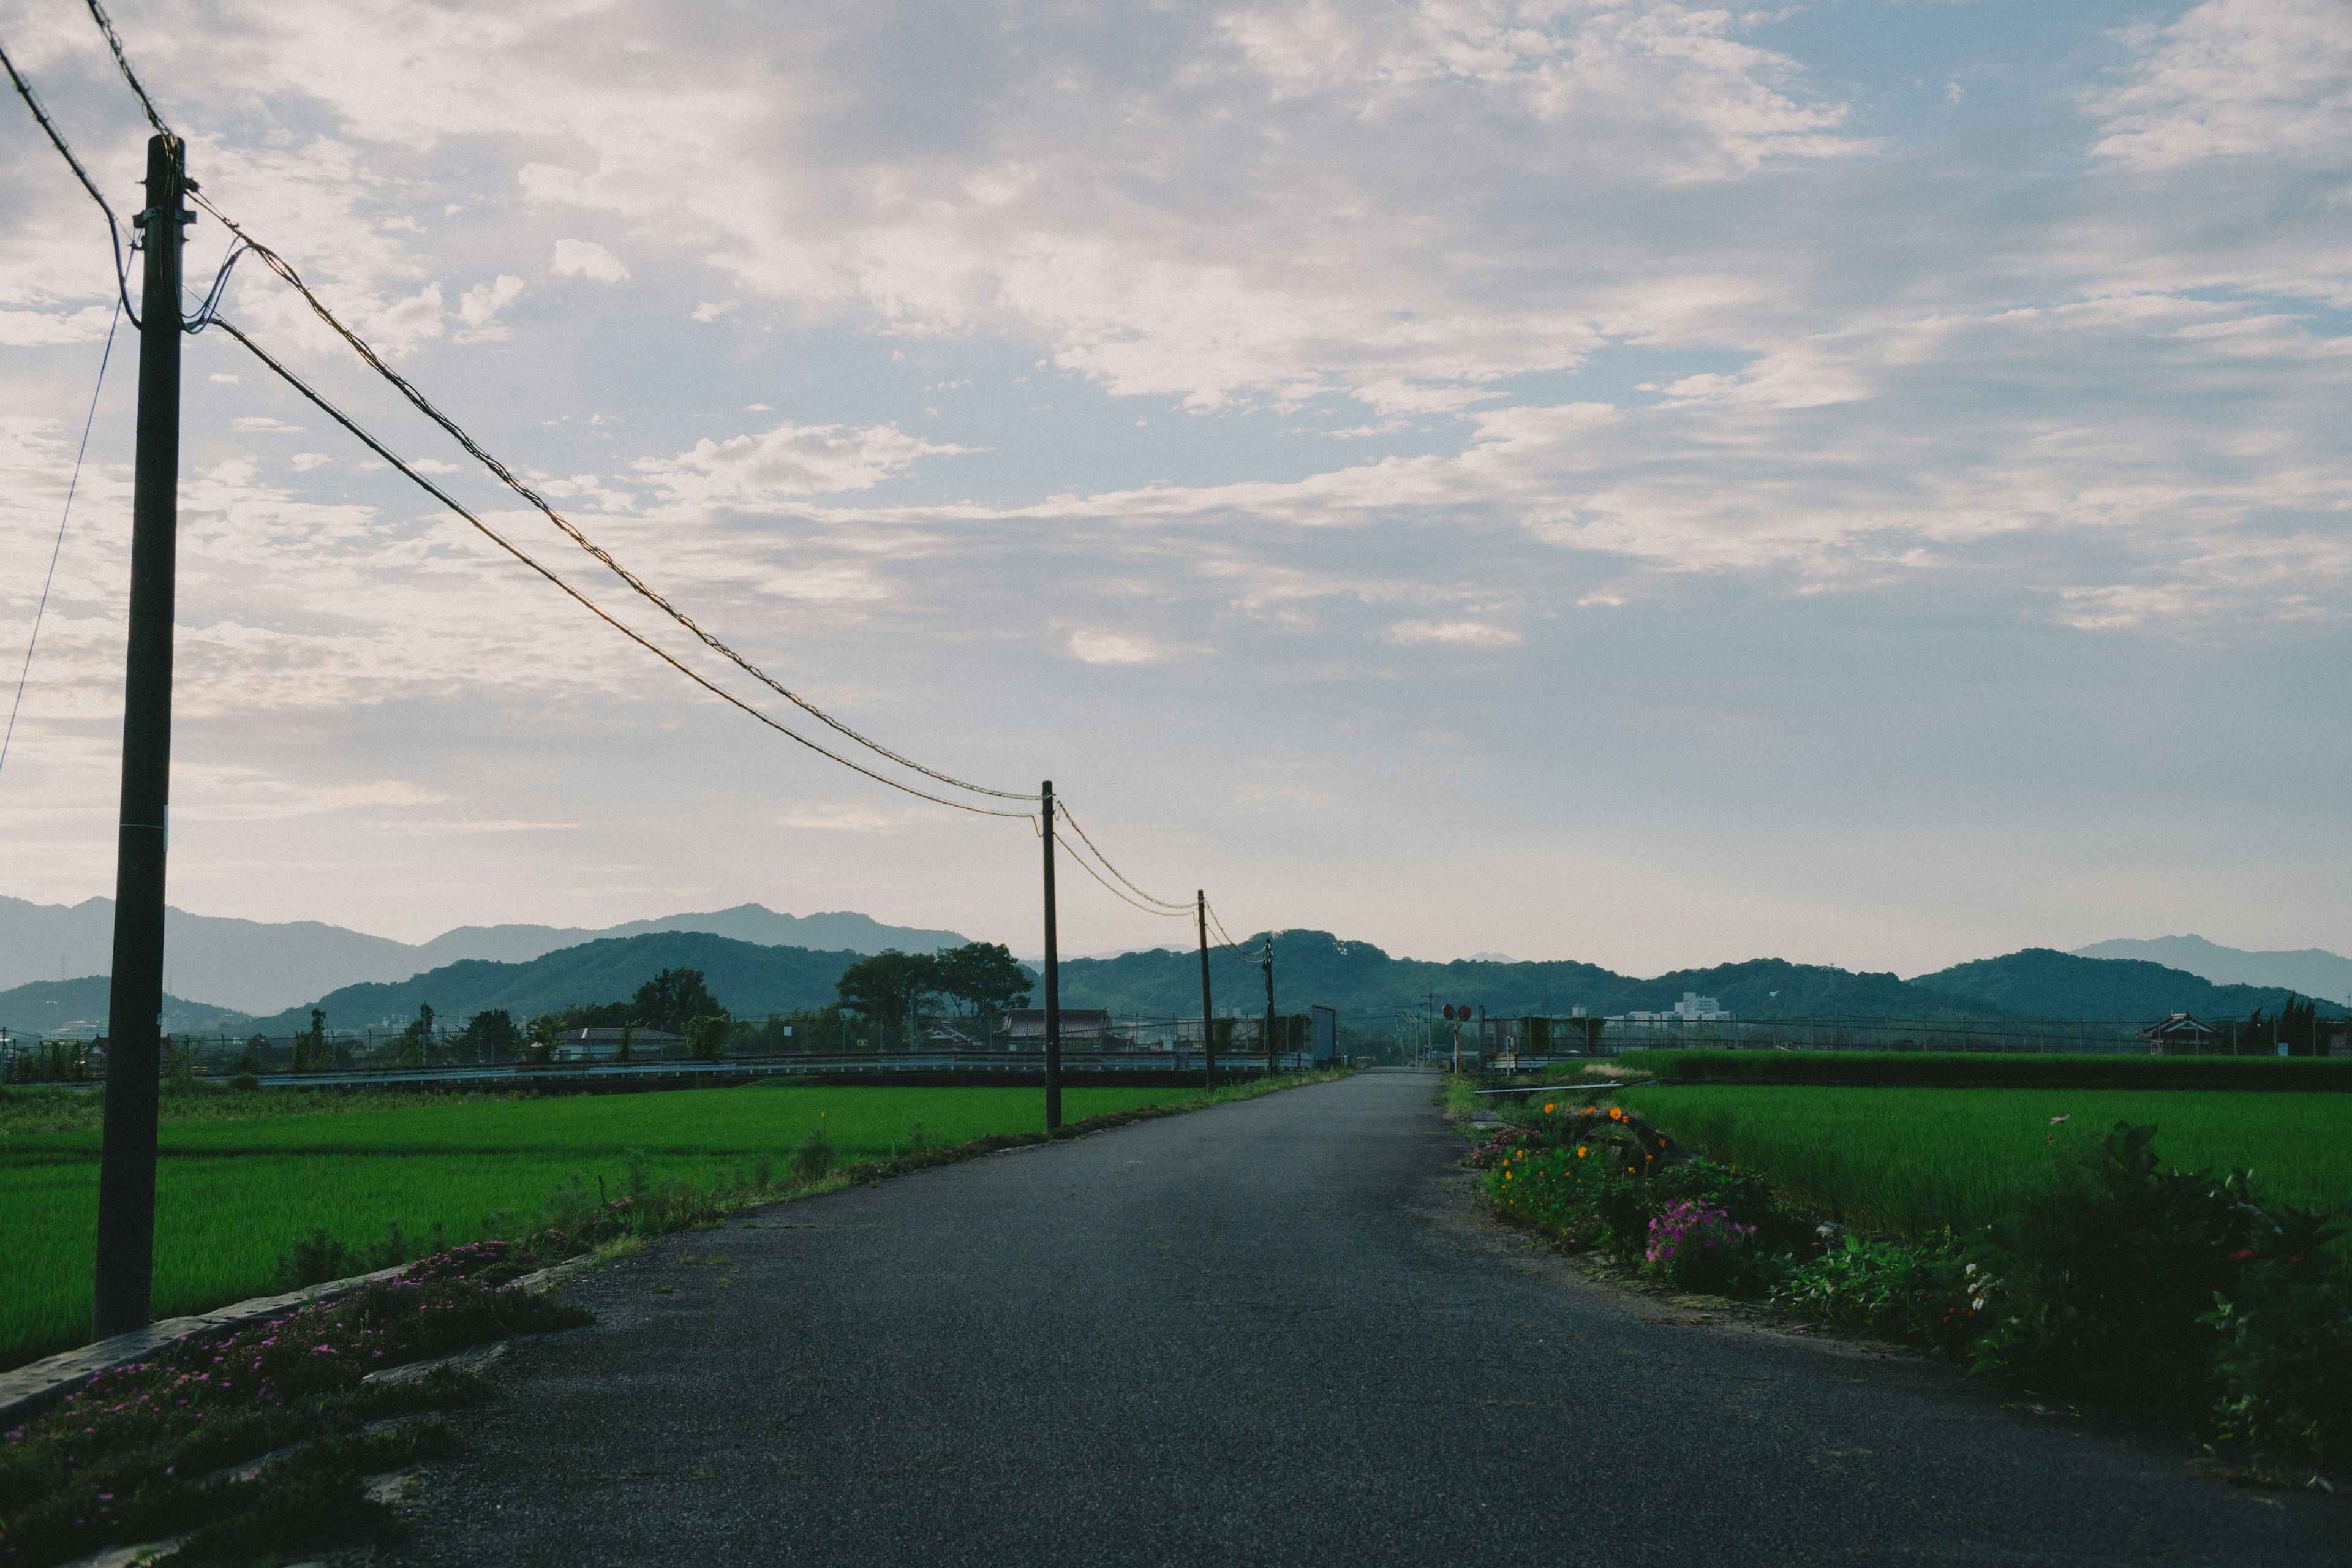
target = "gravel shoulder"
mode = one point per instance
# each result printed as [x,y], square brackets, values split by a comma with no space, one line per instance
[1271,1331]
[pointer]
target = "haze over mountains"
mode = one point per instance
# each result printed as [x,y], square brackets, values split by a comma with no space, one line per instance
[243,975]
[259,968]
[2312,971]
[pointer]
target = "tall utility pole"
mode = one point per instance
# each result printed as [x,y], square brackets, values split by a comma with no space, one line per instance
[1053,981]
[126,1171]
[1267,964]
[1208,1024]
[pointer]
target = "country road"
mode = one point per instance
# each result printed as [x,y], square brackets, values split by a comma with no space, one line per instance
[1270,1333]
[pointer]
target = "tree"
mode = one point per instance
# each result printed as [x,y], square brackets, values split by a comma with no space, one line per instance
[671,998]
[311,1054]
[706,1037]
[416,1040]
[983,975]
[887,987]
[488,1033]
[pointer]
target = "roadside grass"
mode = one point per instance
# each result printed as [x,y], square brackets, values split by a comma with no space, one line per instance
[242,1176]
[1915,1161]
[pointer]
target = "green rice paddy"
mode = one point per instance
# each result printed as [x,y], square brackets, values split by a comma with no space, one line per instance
[1912,1161]
[241,1177]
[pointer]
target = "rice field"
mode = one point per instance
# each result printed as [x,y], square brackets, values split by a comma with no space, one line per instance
[240,1178]
[1913,1161]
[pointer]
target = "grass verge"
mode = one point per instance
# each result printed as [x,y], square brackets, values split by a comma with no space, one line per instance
[2111,1275]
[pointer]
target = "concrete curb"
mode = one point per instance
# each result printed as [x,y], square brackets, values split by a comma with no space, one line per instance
[33,1388]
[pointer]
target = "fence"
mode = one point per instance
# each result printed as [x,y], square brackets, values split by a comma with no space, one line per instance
[1552,1038]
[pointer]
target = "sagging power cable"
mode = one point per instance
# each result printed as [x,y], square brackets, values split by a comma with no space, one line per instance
[114,42]
[506,476]
[1164,904]
[58,140]
[1098,876]
[57,545]
[381,450]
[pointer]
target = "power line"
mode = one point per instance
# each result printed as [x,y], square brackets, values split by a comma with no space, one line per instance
[71,486]
[208,314]
[114,42]
[58,140]
[1081,862]
[1167,904]
[381,450]
[506,476]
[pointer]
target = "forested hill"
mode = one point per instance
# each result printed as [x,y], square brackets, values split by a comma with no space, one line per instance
[749,979]
[45,1006]
[1363,983]
[1360,980]
[2043,983]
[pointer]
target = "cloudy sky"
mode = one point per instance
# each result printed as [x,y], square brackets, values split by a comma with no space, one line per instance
[1860,482]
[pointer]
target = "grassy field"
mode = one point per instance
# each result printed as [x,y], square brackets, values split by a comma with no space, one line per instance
[1914,1160]
[241,1177]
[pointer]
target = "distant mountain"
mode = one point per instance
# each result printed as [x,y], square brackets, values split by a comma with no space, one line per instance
[53,1006]
[748,979]
[261,967]
[2043,983]
[1362,981]
[1775,988]
[2312,971]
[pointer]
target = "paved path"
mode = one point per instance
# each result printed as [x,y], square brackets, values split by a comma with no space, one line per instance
[1271,1332]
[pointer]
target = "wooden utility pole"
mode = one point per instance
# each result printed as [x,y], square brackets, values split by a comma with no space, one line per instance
[1208,1024]
[1053,980]
[126,1170]
[1267,964]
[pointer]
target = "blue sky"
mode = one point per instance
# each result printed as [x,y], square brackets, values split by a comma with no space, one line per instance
[1857,482]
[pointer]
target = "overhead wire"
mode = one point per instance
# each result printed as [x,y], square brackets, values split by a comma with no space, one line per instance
[1183,908]
[114,42]
[381,450]
[506,476]
[105,357]
[208,314]
[1098,876]
[58,140]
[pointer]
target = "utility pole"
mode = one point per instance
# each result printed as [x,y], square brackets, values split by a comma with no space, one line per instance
[1267,964]
[126,1171]
[1053,980]
[1208,1024]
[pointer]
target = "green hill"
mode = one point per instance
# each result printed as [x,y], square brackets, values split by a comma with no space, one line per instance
[46,1007]
[1775,988]
[2042,983]
[749,980]
[1364,984]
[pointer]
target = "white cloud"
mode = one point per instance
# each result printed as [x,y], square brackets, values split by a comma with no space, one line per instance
[1451,633]
[478,308]
[586,259]
[789,461]
[1096,646]
[2264,79]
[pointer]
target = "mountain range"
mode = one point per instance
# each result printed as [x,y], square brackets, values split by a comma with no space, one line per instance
[754,967]
[2312,971]
[250,966]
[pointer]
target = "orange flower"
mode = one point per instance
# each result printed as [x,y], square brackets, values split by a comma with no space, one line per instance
[1549,1108]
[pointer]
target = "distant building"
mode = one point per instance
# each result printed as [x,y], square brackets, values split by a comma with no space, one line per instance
[1693,1008]
[1025,1029]
[600,1045]
[2178,1035]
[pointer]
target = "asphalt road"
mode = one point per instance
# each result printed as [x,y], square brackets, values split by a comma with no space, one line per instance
[1270,1333]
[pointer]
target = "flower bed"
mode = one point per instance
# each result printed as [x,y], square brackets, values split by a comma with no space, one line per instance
[152,1450]
[2182,1295]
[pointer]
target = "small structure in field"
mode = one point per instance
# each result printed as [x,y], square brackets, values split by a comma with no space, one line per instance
[2178,1035]
[600,1045]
